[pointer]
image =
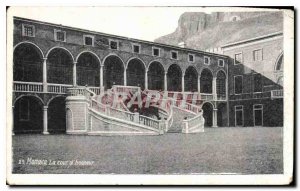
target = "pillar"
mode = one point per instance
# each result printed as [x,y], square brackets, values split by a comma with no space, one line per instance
[101,75]
[146,80]
[182,83]
[214,88]
[215,117]
[125,80]
[45,122]
[45,75]
[74,74]
[198,84]
[165,82]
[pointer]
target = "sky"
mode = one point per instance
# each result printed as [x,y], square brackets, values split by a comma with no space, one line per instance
[145,23]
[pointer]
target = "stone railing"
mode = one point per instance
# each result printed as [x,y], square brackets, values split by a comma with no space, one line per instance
[193,125]
[127,89]
[58,88]
[27,86]
[276,94]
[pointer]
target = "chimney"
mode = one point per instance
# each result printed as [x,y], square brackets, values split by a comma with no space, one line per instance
[181,44]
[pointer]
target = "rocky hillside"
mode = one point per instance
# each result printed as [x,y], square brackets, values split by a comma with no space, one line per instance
[203,31]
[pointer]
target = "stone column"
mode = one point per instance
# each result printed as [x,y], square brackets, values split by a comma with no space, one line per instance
[74,74]
[165,82]
[45,75]
[146,80]
[182,83]
[214,88]
[215,117]
[101,75]
[45,122]
[198,84]
[125,78]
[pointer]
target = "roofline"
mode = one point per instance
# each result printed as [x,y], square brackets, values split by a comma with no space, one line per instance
[116,36]
[253,39]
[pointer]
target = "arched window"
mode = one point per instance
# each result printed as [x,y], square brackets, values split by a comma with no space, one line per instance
[28,63]
[136,73]
[113,71]
[60,67]
[174,78]
[88,70]
[221,84]
[156,76]
[190,79]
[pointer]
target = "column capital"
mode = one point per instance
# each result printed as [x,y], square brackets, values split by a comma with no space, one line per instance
[45,58]
[74,62]
[45,107]
[166,73]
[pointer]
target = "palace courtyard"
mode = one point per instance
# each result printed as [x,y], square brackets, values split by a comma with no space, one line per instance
[217,150]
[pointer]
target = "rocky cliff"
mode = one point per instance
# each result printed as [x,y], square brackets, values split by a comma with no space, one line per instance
[203,31]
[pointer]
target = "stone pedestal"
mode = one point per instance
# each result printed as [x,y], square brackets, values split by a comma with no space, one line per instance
[77,115]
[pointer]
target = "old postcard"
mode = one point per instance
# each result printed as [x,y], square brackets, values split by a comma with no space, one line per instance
[150,95]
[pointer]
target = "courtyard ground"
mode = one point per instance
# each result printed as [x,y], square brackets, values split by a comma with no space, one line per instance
[217,150]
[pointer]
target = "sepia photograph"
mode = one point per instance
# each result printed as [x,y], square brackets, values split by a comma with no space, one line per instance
[163,95]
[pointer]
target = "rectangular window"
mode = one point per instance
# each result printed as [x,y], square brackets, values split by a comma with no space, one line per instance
[257,82]
[156,51]
[88,40]
[28,30]
[59,35]
[238,58]
[238,84]
[174,55]
[136,48]
[24,110]
[257,55]
[239,115]
[221,63]
[113,45]
[206,60]
[191,57]
[258,114]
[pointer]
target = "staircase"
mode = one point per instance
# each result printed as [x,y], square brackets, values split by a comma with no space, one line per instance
[92,114]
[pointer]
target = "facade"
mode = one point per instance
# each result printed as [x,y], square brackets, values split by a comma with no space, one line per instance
[48,59]
[255,83]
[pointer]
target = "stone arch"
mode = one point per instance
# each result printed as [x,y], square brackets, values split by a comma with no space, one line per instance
[28,42]
[88,69]
[88,51]
[207,108]
[133,58]
[28,114]
[135,72]
[279,63]
[155,74]
[28,62]
[63,48]
[174,74]
[37,97]
[206,78]
[113,73]
[190,79]
[60,63]
[57,114]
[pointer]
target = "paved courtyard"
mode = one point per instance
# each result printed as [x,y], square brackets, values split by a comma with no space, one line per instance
[218,150]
